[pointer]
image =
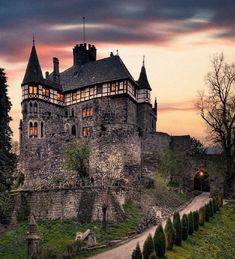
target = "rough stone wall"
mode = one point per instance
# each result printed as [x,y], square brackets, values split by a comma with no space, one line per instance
[146,118]
[82,205]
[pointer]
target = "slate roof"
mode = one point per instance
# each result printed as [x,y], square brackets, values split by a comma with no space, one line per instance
[100,71]
[33,71]
[143,80]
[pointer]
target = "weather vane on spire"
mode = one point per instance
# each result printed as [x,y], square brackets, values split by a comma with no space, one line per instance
[143,59]
[33,40]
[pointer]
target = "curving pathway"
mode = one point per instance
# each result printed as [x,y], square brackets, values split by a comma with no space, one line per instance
[124,251]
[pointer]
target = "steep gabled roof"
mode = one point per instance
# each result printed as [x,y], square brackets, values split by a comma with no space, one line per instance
[33,71]
[95,72]
[143,79]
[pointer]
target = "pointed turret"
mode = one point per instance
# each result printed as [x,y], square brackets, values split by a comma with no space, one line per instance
[143,79]
[33,71]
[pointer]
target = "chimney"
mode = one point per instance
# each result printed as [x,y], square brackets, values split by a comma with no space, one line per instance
[47,75]
[56,73]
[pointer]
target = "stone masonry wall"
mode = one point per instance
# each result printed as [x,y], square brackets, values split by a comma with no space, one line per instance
[82,205]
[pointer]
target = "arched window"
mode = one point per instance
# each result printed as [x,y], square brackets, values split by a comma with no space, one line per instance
[35,129]
[73,130]
[42,129]
[30,107]
[72,112]
[30,129]
[35,108]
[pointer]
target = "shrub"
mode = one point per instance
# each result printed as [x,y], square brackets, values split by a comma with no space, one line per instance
[148,248]
[169,234]
[220,200]
[50,252]
[201,216]
[184,223]
[74,247]
[190,223]
[178,228]
[196,220]
[159,241]
[137,252]
[6,208]
[211,208]
[207,212]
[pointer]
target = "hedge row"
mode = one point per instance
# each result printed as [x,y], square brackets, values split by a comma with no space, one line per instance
[176,231]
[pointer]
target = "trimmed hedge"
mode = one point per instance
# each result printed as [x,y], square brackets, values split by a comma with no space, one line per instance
[196,220]
[169,234]
[184,223]
[159,241]
[202,216]
[148,248]
[137,252]
[178,228]
[190,223]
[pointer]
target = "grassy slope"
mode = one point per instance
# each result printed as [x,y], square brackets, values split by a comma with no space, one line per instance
[57,234]
[215,240]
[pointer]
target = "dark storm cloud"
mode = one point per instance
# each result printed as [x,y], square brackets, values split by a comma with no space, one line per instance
[134,22]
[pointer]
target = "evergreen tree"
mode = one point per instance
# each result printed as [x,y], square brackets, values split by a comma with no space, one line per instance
[184,227]
[169,234]
[207,212]
[214,204]
[148,248]
[190,223]
[178,228]
[211,208]
[196,220]
[153,256]
[201,216]
[137,252]
[7,159]
[159,241]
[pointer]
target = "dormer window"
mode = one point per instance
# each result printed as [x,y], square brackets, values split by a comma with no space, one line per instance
[46,92]
[33,89]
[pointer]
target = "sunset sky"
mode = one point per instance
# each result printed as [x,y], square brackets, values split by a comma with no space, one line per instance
[177,37]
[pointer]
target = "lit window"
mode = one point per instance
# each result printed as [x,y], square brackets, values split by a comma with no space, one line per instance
[121,86]
[92,91]
[83,93]
[87,112]
[35,130]
[30,129]
[33,89]
[74,96]
[45,92]
[85,131]
[99,89]
[60,97]
[113,87]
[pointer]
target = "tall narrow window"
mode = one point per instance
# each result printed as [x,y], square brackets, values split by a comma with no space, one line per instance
[73,130]
[113,87]
[30,107]
[74,96]
[30,129]
[35,108]
[99,89]
[42,129]
[72,112]
[85,131]
[46,92]
[35,129]
[121,86]
[33,89]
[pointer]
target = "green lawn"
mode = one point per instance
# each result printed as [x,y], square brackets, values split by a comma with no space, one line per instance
[57,234]
[215,240]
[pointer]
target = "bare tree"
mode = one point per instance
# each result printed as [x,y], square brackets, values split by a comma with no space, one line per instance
[109,174]
[217,108]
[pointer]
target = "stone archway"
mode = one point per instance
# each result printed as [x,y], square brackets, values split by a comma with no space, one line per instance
[201,181]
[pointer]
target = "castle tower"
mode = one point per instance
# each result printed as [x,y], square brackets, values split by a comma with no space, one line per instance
[146,114]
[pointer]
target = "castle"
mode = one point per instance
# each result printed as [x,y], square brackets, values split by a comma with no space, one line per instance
[100,101]
[94,99]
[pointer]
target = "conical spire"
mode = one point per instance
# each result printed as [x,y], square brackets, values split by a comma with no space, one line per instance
[33,71]
[143,80]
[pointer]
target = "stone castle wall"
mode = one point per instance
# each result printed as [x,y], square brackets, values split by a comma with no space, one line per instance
[82,205]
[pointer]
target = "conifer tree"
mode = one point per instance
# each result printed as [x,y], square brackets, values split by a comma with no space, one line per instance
[178,228]
[190,223]
[169,234]
[7,159]
[214,205]
[196,220]
[137,252]
[211,208]
[201,216]
[159,241]
[184,227]
[148,248]
[207,212]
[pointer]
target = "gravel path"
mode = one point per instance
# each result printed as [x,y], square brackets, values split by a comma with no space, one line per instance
[124,251]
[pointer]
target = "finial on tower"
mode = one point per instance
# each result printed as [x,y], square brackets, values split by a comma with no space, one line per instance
[33,40]
[143,60]
[84,29]
[117,52]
